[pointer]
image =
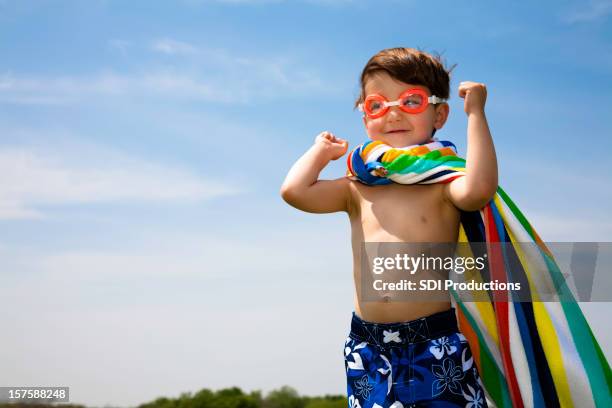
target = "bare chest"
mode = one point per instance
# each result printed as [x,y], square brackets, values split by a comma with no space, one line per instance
[406,213]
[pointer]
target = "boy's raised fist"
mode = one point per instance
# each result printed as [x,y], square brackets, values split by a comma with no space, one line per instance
[475,95]
[334,145]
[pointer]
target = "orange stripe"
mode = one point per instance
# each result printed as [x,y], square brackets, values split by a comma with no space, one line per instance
[470,336]
[446,151]
[419,150]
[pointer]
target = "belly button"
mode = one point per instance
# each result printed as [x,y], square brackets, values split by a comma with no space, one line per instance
[423,219]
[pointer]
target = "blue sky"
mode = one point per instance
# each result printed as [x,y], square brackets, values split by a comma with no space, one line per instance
[142,146]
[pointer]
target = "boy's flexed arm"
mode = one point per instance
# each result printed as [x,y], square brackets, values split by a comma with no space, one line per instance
[474,191]
[302,188]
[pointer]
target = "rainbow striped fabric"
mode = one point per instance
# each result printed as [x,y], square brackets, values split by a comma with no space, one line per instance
[529,354]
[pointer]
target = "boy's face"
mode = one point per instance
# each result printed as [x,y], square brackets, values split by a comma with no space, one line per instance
[398,128]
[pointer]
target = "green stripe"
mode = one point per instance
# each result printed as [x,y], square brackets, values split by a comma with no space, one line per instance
[423,165]
[595,364]
[517,213]
[420,164]
[602,357]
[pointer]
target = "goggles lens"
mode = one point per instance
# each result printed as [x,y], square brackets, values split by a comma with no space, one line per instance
[375,105]
[412,101]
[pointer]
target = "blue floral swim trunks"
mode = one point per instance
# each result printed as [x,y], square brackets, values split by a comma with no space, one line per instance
[421,363]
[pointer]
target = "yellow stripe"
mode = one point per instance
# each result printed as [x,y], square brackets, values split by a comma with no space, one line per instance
[554,356]
[391,155]
[485,309]
[368,148]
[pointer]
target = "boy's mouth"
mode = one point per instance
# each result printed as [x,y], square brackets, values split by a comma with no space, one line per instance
[397,131]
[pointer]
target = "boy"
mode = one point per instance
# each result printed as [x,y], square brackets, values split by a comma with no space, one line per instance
[399,354]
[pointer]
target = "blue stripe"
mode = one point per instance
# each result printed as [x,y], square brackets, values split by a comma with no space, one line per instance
[362,173]
[439,174]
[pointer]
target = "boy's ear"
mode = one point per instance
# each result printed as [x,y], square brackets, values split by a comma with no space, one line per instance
[365,122]
[441,115]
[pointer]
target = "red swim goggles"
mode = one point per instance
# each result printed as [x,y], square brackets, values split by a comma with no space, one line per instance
[413,101]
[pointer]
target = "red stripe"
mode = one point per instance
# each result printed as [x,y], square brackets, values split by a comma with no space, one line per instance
[500,302]
[448,180]
[348,163]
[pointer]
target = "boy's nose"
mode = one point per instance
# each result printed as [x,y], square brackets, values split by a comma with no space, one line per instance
[394,112]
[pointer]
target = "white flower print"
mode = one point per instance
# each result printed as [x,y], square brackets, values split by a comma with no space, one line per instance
[466,364]
[448,375]
[357,363]
[442,346]
[474,398]
[363,387]
[387,371]
[353,402]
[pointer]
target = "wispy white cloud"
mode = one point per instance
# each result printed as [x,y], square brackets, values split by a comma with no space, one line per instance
[172,47]
[560,228]
[120,45]
[231,77]
[266,2]
[72,89]
[204,257]
[588,11]
[32,178]
[232,2]
[267,75]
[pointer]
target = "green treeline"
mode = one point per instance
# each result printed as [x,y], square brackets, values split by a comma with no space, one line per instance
[234,397]
[286,397]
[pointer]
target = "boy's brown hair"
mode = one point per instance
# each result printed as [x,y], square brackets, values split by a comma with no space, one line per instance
[411,66]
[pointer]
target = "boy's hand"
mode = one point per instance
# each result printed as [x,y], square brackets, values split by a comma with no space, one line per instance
[335,146]
[475,95]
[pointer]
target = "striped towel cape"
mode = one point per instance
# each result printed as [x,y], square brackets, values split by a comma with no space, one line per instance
[529,354]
